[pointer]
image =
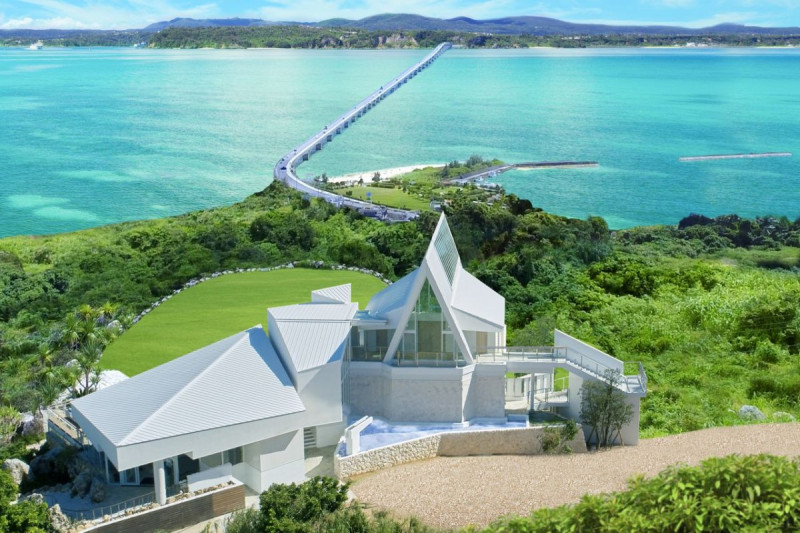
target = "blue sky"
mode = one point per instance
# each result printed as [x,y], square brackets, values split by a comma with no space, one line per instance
[120,14]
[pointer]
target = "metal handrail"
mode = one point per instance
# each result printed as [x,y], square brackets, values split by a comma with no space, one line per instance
[428,359]
[66,427]
[547,392]
[111,510]
[563,354]
[115,509]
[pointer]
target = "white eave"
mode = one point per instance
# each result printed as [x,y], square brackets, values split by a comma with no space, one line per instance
[234,381]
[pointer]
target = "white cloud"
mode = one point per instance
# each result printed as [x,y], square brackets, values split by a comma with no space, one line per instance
[49,23]
[96,14]
[748,18]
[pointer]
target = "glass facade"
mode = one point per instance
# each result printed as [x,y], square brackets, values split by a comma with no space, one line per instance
[428,339]
[369,344]
[447,252]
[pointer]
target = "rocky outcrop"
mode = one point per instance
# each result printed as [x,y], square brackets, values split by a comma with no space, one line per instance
[81,485]
[45,466]
[98,491]
[751,412]
[782,416]
[58,519]
[17,468]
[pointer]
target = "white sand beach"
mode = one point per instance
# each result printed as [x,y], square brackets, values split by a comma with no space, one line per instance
[386,173]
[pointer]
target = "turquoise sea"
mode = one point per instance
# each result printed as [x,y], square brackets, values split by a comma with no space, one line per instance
[95,136]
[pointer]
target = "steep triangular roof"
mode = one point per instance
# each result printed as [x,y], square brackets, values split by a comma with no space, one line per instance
[459,294]
[312,333]
[236,380]
[332,295]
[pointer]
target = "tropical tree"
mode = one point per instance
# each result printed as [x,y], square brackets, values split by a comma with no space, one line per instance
[605,409]
[9,420]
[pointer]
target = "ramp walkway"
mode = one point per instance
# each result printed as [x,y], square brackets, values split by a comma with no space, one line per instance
[543,359]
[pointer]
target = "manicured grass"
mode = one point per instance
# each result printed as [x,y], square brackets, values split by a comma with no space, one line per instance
[389,197]
[219,308]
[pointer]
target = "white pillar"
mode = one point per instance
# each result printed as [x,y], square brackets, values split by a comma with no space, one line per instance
[175,474]
[159,482]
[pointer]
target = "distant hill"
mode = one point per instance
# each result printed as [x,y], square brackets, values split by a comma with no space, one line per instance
[508,26]
[537,26]
[206,23]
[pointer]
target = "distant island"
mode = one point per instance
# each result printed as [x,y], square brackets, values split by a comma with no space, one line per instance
[404,31]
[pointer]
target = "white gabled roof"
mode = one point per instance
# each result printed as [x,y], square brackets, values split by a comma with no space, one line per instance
[473,297]
[337,294]
[313,333]
[236,380]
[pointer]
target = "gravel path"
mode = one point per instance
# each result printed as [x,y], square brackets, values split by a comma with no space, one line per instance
[452,492]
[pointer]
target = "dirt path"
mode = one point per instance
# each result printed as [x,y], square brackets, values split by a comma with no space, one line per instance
[452,492]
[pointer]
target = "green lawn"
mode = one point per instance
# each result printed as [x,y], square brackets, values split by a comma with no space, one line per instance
[389,197]
[219,308]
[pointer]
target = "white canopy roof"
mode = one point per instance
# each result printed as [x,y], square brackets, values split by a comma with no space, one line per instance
[236,380]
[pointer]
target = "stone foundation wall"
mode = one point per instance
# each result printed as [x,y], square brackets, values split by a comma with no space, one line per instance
[521,441]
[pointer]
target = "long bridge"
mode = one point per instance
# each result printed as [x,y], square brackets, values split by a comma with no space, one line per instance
[285,169]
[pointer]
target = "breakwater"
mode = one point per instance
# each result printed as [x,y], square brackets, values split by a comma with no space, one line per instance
[285,168]
[734,156]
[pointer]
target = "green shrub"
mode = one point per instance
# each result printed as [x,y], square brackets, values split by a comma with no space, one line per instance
[295,508]
[735,493]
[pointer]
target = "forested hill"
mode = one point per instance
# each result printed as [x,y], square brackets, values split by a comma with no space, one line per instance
[711,307]
[328,37]
[406,30]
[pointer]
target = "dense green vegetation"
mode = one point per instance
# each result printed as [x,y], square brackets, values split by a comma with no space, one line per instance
[221,307]
[21,517]
[734,493]
[314,37]
[710,307]
[752,493]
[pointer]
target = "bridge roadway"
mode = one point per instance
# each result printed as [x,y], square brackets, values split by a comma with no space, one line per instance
[285,169]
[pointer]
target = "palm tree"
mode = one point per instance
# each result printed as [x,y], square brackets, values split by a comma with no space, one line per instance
[86,369]
[86,312]
[106,312]
[70,334]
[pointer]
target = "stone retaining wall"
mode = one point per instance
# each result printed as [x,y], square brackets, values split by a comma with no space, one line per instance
[309,264]
[516,441]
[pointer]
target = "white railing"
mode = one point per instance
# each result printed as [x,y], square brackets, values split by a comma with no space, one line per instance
[636,383]
[66,429]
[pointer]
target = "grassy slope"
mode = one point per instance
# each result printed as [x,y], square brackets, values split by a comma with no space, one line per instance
[219,308]
[390,197]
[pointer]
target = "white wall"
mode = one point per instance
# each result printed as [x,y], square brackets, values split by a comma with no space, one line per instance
[320,390]
[279,459]
[329,434]
[485,396]
[427,394]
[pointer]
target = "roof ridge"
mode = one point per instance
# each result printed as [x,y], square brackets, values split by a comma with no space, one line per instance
[152,415]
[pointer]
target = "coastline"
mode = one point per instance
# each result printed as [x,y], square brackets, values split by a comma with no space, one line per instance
[386,173]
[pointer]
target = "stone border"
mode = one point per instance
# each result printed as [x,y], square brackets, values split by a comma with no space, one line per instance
[294,264]
[513,441]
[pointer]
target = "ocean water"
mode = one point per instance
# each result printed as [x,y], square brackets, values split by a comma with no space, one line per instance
[95,136]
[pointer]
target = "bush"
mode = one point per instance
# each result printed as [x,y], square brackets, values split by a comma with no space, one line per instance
[752,493]
[296,508]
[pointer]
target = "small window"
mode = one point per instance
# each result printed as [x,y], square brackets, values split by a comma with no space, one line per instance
[232,456]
